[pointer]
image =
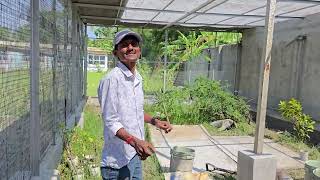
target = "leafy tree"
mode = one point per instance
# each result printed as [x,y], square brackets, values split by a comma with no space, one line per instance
[189,46]
[104,38]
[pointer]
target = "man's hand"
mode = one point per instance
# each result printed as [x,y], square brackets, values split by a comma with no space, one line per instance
[143,148]
[164,125]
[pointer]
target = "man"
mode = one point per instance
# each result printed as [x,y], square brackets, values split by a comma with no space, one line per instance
[121,100]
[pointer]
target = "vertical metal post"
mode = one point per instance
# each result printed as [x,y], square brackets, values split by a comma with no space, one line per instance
[66,60]
[237,68]
[54,73]
[165,62]
[264,77]
[73,58]
[215,54]
[34,81]
[86,58]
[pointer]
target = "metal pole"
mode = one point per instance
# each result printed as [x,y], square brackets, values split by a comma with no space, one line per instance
[165,62]
[34,81]
[264,77]
[54,73]
[73,58]
[86,58]
[237,68]
[66,60]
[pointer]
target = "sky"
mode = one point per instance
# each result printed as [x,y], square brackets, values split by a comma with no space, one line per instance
[90,32]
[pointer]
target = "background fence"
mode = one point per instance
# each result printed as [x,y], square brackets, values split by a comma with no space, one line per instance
[223,65]
[61,85]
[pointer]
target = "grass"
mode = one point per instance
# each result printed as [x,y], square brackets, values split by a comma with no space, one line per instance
[83,143]
[242,129]
[151,166]
[93,79]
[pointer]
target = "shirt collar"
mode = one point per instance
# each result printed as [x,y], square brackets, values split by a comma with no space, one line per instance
[124,69]
[128,73]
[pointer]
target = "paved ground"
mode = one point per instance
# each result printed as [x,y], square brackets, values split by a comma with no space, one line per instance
[218,150]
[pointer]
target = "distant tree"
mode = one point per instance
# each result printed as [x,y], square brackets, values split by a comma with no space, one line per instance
[104,38]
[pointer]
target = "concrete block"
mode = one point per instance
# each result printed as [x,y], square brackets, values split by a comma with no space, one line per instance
[256,167]
[81,121]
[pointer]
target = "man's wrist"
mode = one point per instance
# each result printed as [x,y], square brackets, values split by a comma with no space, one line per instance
[130,140]
[153,120]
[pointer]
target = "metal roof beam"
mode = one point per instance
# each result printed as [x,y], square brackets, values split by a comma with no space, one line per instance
[174,11]
[195,14]
[284,13]
[189,13]
[301,1]
[163,22]
[244,13]
[159,12]
[204,28]
[115,21]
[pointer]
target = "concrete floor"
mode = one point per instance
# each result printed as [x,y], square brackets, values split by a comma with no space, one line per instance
[220,151]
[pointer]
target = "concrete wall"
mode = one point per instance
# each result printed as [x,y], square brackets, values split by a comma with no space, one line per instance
[295,64]
[223,66]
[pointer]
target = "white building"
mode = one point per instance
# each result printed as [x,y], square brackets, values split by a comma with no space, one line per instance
[97,59]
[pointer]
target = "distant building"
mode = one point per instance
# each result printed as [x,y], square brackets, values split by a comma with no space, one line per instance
[97,59]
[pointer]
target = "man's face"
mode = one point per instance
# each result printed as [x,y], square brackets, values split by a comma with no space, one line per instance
[128,50]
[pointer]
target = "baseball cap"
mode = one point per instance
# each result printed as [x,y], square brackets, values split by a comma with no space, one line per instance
[121,34]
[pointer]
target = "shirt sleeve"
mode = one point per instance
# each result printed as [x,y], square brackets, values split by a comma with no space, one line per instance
[108,99]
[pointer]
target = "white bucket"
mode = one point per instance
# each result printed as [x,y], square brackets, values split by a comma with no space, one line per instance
[316,174]
[181,159]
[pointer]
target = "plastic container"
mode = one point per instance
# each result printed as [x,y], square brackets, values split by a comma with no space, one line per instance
[181,159]
[316,174]
[309,167]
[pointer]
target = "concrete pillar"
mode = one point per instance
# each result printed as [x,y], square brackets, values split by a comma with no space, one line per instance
[253,166]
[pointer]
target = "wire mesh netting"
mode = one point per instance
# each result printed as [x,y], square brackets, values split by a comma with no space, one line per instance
[61,85]
[14,87]
[218,63]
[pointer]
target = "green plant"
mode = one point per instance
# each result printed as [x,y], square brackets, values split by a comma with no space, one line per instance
[303,123]
[82,147]
[204,101]
[215,102]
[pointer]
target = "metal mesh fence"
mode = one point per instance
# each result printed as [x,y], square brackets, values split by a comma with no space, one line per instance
[159,76]
[61,86]
[14,87]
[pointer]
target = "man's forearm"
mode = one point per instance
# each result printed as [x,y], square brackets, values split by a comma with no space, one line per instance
[124,135]
[149,119]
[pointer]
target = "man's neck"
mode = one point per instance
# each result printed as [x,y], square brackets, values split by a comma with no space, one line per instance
[131,66]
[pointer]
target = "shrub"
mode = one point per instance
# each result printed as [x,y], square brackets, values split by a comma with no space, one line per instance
[204,101]
[303,123]
[214,102]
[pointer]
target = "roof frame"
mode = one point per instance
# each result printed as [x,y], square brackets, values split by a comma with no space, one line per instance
[87,5]
[222,18]
[163,22]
